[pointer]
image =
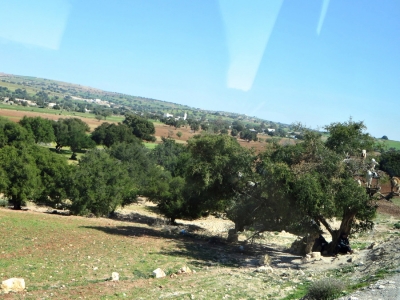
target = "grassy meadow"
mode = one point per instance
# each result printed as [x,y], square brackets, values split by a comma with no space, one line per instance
[71,257]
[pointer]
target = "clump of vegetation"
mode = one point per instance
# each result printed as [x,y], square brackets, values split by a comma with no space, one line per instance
[3,203]
[325,289]
[397,225]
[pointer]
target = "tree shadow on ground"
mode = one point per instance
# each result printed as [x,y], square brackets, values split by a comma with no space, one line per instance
[139,218]
[154,221]
[204,250]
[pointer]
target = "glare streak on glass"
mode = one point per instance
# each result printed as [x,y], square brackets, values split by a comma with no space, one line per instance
[37,23]
[324,9]
[248,26]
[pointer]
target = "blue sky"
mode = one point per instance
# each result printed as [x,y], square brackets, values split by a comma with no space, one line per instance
[316,62]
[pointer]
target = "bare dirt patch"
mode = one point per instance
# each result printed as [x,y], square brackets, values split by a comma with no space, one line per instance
[16,115]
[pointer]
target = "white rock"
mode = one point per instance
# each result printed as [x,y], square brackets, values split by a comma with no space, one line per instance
[185,269]
[95,268]
[265,269]
[301,272]
[158,273]
[316,255]
[13,285]
[381,287]
[114,276]
[353,298]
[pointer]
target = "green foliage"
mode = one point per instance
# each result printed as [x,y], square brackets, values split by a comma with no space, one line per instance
[3,202]
[267,205]
[205,126]
[170,198]
[349,138]
[397,225]
[142,128]
[41,129]
[72,132]
[12,133]
[212,171]
[171,156]
[55,175]
[108,134]
[234,132]
[146,178]
[238,126]
[20,177]
[390,162]
[325,289]
[99,184]
[248,135]
[195,126]
[321,187]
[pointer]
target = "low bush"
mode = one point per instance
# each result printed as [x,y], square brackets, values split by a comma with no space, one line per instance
[325,289]
[3,202]
[397,225]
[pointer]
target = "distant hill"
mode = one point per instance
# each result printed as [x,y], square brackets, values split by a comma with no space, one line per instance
[51,91]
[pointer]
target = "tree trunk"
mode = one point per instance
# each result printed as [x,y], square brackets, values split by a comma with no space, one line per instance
[345,227]
[17,203]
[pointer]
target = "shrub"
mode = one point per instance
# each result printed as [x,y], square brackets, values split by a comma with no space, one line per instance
[3,203]
[325,289]
[397,225]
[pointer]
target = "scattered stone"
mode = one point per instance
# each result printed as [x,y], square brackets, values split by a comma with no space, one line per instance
[372,245]
[158,273]
[353,298]
[316,255]
[95,268]
[352,259]
[301,272]
[185,269]
[305,260]
[114,276]
[381,287]
[264,269]
[13,285]
[265,260]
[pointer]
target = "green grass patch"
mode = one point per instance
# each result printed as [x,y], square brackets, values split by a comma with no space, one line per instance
[367,280]
[301,291]
[65,255]
[359,245]
[150,146]
[390,144]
